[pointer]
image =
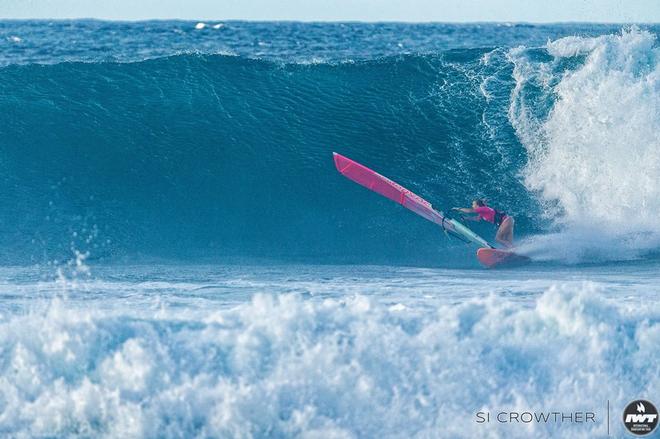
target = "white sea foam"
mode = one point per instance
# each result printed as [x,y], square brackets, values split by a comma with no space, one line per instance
[594,157]
[288,367]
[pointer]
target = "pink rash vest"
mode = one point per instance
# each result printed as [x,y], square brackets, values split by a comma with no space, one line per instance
[486,213]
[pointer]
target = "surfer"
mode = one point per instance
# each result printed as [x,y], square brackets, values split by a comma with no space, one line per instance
[503,221]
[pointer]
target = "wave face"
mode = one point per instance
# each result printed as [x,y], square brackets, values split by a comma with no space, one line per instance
[229,155]
[214,155]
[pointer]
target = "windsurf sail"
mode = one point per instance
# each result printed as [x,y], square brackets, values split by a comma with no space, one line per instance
[395,192]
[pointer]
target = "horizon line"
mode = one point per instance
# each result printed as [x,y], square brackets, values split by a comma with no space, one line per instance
[137,20]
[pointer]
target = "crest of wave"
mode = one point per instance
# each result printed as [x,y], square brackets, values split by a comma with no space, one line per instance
[594,155]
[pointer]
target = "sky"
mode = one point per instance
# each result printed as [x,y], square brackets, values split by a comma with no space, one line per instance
[609,11]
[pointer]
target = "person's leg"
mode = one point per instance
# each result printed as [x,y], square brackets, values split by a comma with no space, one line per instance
[499,235]
[505,232]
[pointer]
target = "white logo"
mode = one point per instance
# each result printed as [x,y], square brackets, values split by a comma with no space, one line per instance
[640,417]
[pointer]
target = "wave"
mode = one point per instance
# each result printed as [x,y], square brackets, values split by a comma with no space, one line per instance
[594,154]
[225,155]
[283,366]
[211,155]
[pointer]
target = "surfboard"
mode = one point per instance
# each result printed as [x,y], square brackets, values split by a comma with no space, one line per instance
[375,182]
[495,258]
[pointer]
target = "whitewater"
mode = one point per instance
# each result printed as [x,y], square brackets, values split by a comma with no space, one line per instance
[180,258]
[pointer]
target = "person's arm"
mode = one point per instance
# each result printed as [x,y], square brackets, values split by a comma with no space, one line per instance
[467,210]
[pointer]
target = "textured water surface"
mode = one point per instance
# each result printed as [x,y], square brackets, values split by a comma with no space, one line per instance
[181,259]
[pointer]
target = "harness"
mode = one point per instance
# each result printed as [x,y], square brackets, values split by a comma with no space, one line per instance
[499,217]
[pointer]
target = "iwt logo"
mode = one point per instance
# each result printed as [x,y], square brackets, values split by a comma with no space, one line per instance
[640,417]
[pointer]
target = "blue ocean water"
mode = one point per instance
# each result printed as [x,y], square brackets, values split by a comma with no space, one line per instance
[181,259]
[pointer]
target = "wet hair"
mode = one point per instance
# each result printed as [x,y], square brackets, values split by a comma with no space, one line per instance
[480,202]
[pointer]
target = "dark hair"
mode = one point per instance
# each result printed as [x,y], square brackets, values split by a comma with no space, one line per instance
[480,202]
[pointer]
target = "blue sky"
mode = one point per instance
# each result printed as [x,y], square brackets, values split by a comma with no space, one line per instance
[620,11]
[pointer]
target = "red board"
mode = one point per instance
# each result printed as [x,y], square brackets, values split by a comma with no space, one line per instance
[493,258]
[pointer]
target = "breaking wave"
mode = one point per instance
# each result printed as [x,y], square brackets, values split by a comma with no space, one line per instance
[209,155]
[342,368]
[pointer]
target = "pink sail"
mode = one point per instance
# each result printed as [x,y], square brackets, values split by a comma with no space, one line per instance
[395,192]
[386,187]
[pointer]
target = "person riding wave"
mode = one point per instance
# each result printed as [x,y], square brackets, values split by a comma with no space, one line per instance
[503,221]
